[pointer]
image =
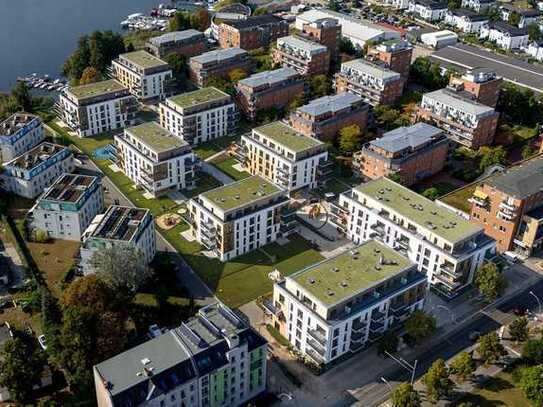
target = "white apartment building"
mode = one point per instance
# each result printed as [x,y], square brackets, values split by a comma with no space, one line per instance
[144,74]
[527,15]
[97,107]
[32,172]
[199,116]
[213,359]
[535,50]
[119,226]
[504,35]
[155,159]
[285,157]
[443,245]
[345,303]
[478,5]
[428,10]
[68,206]
[466,21]
[240,217]
[18,134]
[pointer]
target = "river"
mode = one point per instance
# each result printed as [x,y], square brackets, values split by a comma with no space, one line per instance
[38,35]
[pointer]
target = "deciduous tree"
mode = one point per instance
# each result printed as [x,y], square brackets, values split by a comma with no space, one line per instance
[518,330]
[89,75]
[437,381]
[532,351]
[420,326]
[320,85]
[388,342]
[21,94]
[404,395]
[531,383]
[349,139]
[490,282]
[463,366]
[490,348]
[237,75]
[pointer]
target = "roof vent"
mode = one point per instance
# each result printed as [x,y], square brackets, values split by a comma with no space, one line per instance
[334,269]
[343,284]
[146,361]
[311,281]
[330,293]
[378,268]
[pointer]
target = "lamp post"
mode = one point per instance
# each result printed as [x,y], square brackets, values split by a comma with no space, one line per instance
[538,301]
[412,368]
[385,381]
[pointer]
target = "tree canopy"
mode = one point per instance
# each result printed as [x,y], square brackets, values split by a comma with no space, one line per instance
[404,395]
[320,85]
[349,139]
[520,105]
[428,74]
[388,342]
[532,351]
[490,282]
[531,383]
[463,366]
[490,348]
[184,20]
[518,329]
[437,381]
[420,326]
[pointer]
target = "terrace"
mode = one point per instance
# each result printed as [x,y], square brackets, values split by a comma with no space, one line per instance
[14,123]
[69,188]
[287,137]
[120,223]
[143,60]
[96,89]
[156,138]
[198,97]
[36,156]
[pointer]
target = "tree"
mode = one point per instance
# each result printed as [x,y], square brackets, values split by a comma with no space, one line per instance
[237,75]
[320,85]
[220,83]
[395,176]
[178,63]
[386,115]
[520,105]
[431,193]
[534,33]
[346,47]
[388,343]
[531,383]
[21,368]
[532,351]
[21,95]
[428,74]
[518,330]
[463,366]
[349,139]
[261,11]
[420,326]
[404,395]
[490,348]
[437,381]
[91,292]
[514,18]
[491,156]
[527,151]
[89,75]
[490,282]
[333,5]
[295,103]
[202,19]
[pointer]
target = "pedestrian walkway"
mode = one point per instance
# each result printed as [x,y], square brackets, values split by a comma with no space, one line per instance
[216,173]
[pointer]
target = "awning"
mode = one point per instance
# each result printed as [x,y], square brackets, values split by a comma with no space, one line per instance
[480,194]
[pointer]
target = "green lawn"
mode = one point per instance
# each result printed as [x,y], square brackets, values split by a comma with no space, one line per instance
[459,199]
[226,166]
[209,148]
[498,391]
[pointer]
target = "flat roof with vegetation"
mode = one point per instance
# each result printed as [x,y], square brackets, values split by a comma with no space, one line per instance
[287,137]
[197,97]
[241,193]
[337,279]
[96,89]
[419,210]
[156,137]
[143,59]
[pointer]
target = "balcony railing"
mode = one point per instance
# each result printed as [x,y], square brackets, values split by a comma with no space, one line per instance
[319,348]
[318,336]
[315,356]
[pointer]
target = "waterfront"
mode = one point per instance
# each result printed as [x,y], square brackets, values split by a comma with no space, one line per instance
[37,36]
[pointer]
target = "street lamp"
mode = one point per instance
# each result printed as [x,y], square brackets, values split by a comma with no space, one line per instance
[385,381]
[412,368]
[537,299]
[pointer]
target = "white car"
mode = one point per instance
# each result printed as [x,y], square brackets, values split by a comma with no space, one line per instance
[512,257]
[154,331]
[42,341]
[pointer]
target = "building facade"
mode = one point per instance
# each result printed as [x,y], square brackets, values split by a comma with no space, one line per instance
[466,20]
[155,159]
[97,107]
[213,359]
[326,31]
[394,54]
[218,63]
[199,116]
[323,118]
[253,32]
[482,83]
[526,16]
[443,245]
[345,303]
[187,43]
[479,6]
[504,35]
[68,206]
[428,10]
[32,172]
[19,133]
[306,57]
[413,153]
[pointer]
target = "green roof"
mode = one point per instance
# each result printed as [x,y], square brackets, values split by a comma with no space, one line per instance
[143,59]
[337,279]
[420,210]
[198,97]
[155,137]
[96,89]
[240,193]
[287,137]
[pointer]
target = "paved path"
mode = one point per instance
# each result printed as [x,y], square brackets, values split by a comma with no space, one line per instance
[216,173]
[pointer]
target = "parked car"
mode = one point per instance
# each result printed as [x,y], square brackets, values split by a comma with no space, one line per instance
[512,257]
[42,341]
[154,331]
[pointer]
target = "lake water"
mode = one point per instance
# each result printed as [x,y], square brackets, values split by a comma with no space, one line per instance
[38,35]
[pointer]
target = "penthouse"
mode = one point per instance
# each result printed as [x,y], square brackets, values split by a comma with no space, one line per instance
[285,157]
[343,304]
[394,54]
[119,226]
[252,32]
[187,43]
[323,118]
[18,134]
[326,31]
[482,83]
[465,121]
[97,107]
[67,208]
[199,116]
[268,89]
[306,57]
[155,159]
[238,218]
[413,153]
[443,245]
[145,75]
[32,172]
[375,84]
[218,63]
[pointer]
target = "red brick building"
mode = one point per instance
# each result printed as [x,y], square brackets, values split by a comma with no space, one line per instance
[395,54]
[327,32]
[187,43]
[482,83]
[307,57]
[218,63]
[254,32]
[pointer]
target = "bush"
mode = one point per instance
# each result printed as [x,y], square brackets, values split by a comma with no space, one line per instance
[41,236]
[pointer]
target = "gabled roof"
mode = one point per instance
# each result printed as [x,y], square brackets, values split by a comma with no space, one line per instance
[503,27]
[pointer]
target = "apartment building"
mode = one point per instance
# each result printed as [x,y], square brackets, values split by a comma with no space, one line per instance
[504,35]
[32,172]
[535,50]
[413,153]
[465,121]
[119,226]
[428,10]
[68,206]
[240,217]
[97,107]
[394,54]
[374,83]
[213,359]
[443,245]
[145,75]
[187,43]
[343,304]
[323,118]
[18,134]
[155,159]
[326,31]
[466,20]
[306,57]
[218,63]
[285,157]
[253,32]
[268,89]
[482,83]
[480,6]
[509,207]
[527,16]
[199,116]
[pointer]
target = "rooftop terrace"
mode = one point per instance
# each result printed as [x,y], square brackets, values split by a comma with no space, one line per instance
[287,137]
[337,279]
[143,59]
[14,123]
[371,69]
[69,188]
[155,137]
[96,89]
[448,97]
[197,97]
[39,154]
[120,223]
[300,43]
[269,77]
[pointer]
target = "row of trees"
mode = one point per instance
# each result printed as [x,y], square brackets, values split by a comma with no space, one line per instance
[184,20]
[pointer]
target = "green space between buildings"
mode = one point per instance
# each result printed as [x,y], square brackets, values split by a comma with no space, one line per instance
[227,166]
[497,391]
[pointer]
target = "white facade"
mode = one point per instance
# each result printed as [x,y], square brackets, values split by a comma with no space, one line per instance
[427,10]
[465,23]
[31,173]
[19,133]
[399,4]
[439,39]
[478,5]
[535,50]
[527,17]
[67,208]
[503,38]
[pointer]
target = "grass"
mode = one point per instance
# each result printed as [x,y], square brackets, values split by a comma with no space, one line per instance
[459,199]
[227,166]
[497,391]
[206,150]
[277,335]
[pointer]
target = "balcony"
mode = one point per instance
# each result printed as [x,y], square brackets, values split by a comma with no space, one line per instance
[451,284]
[356,346]
[318,336]
[379,228]
[507,207]
[317,347]
[399,310]
[359,326]
[358,336]
[318,359]
[338,221]
[450,270]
